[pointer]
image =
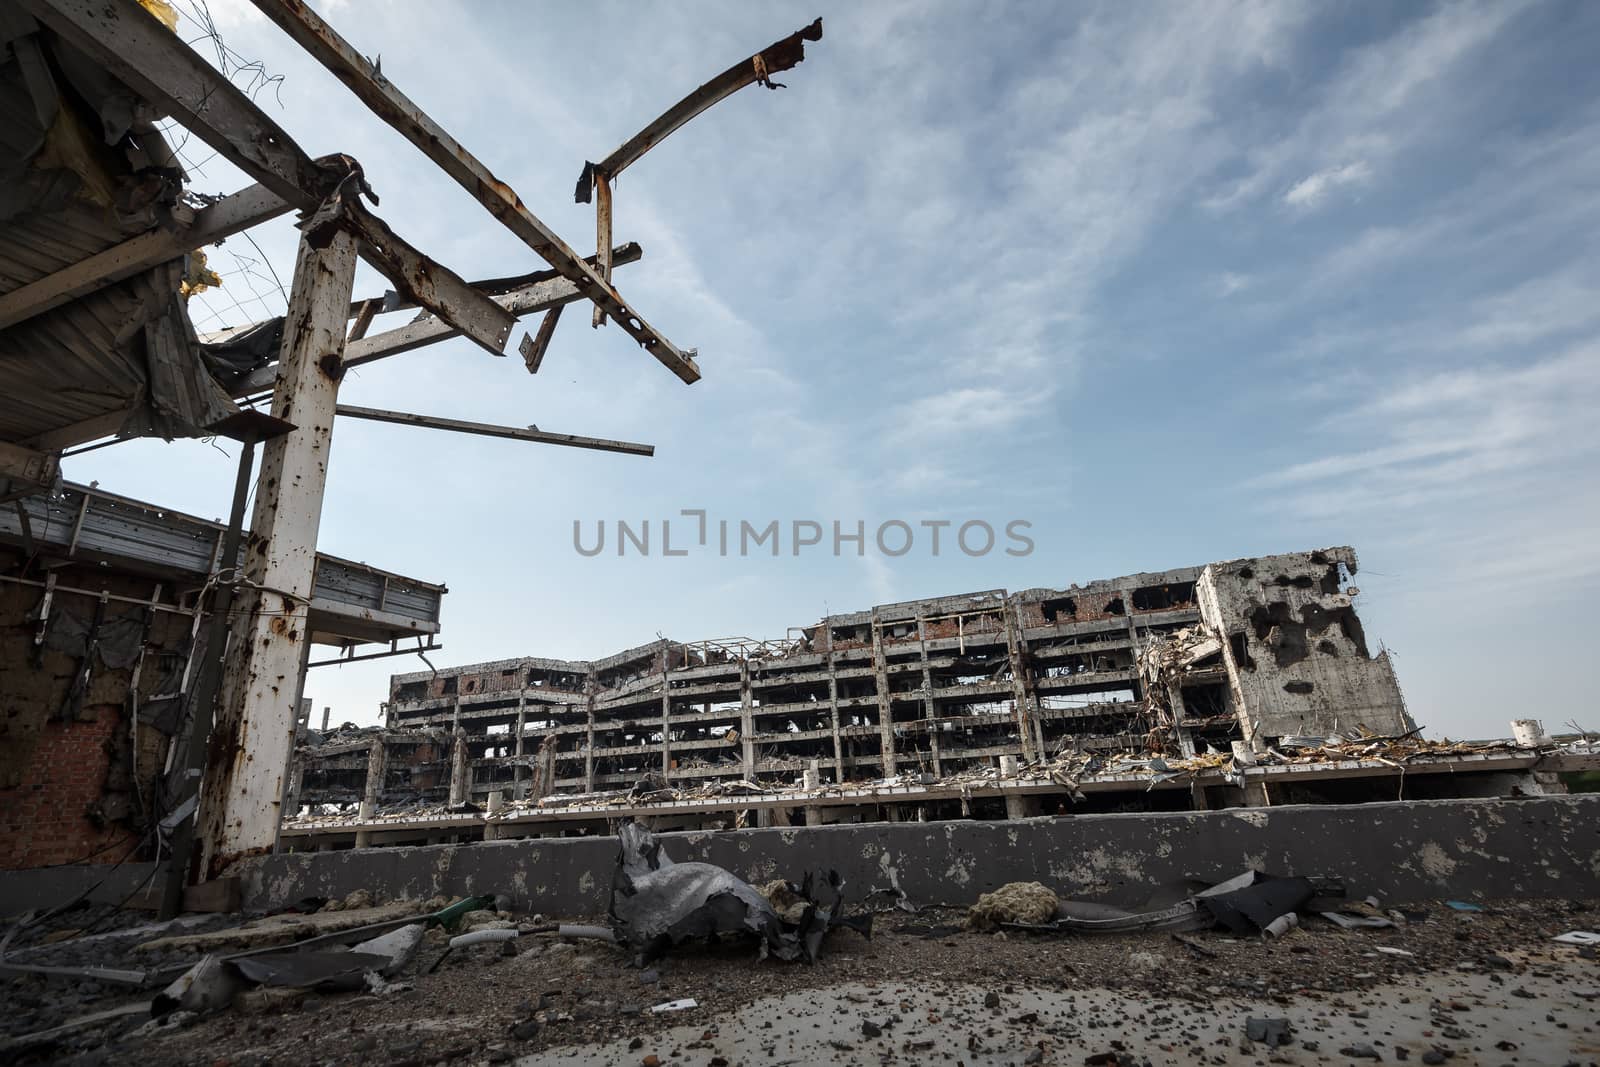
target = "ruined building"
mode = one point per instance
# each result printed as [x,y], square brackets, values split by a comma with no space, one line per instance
[1170,689]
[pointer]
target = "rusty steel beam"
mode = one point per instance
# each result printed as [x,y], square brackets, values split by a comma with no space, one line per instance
[602,243]
[484,429]
[549,291]
[534,348]
[387,102]
[432,285]
[778,56]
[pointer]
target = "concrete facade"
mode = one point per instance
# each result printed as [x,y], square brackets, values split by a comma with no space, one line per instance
[1296,656]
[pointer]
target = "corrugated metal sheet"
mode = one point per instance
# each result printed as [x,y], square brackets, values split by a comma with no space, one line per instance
[128,347]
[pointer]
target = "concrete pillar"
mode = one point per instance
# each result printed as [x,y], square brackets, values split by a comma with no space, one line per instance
[813,815]
[519,771]
[833,710]
[497,804]
[927,698]
[326,712]
[291,795]
[460,770]
[1017,806]
[372,793]
[1023,697]
[747,722]
[880,674]
[588,749]
[1184,736]
[666,720]
[247,755]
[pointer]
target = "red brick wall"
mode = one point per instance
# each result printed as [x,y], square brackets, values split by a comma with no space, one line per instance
[45,820]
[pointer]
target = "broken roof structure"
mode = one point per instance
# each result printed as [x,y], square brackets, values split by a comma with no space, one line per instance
[98,255]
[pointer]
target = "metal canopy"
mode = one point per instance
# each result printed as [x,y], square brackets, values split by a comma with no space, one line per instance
[143,54]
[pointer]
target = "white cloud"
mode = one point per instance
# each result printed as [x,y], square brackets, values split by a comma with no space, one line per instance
[1311,190]
[1230,283]
[1386,97]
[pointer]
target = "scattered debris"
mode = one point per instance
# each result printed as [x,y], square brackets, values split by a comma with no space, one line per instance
[675,1005]
[1267,1031]
[1578,937]
[656,903]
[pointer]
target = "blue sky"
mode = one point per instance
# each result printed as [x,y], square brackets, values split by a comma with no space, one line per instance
[1174,283]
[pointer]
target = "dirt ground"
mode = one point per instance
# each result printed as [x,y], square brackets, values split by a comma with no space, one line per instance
[570,1001]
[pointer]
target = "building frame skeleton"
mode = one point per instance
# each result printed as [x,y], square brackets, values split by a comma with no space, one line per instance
[248,750]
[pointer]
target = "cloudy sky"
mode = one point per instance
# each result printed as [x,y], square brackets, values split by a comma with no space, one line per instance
[1173,283]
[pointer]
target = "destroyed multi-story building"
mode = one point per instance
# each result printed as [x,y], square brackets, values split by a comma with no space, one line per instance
[1161,689]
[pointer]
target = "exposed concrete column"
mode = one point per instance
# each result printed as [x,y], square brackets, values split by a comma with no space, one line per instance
[833,709]
[927,697]
[880,674]
[588,751]
[1022,693]
[1133,638]
[1184,736]
[497,803]
[247,754]
[460,770]
[666,719]
[372,792]
[304,713]
[291,795]
[377,768]
[517,772]
[747,721]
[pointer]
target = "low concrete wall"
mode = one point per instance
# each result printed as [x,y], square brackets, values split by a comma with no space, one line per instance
[1409,851]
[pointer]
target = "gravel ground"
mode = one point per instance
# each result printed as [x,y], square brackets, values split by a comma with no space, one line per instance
[557,998]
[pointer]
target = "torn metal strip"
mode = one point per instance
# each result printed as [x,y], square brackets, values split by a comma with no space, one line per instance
[483,429]
[778,56]
[387,102]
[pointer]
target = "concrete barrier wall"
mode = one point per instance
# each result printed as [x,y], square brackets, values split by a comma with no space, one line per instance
[1545,847]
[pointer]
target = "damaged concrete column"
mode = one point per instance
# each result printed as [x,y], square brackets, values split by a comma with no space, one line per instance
[833,712]
[460,771]
[880,675]
[518,771]
[247,755]
[747,723]
[588,735]
[372,794]
[666,720]
[927,697]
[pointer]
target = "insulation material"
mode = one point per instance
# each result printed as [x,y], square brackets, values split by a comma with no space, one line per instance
[1028,903]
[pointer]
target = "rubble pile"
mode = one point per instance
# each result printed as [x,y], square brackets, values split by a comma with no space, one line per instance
[396,981]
